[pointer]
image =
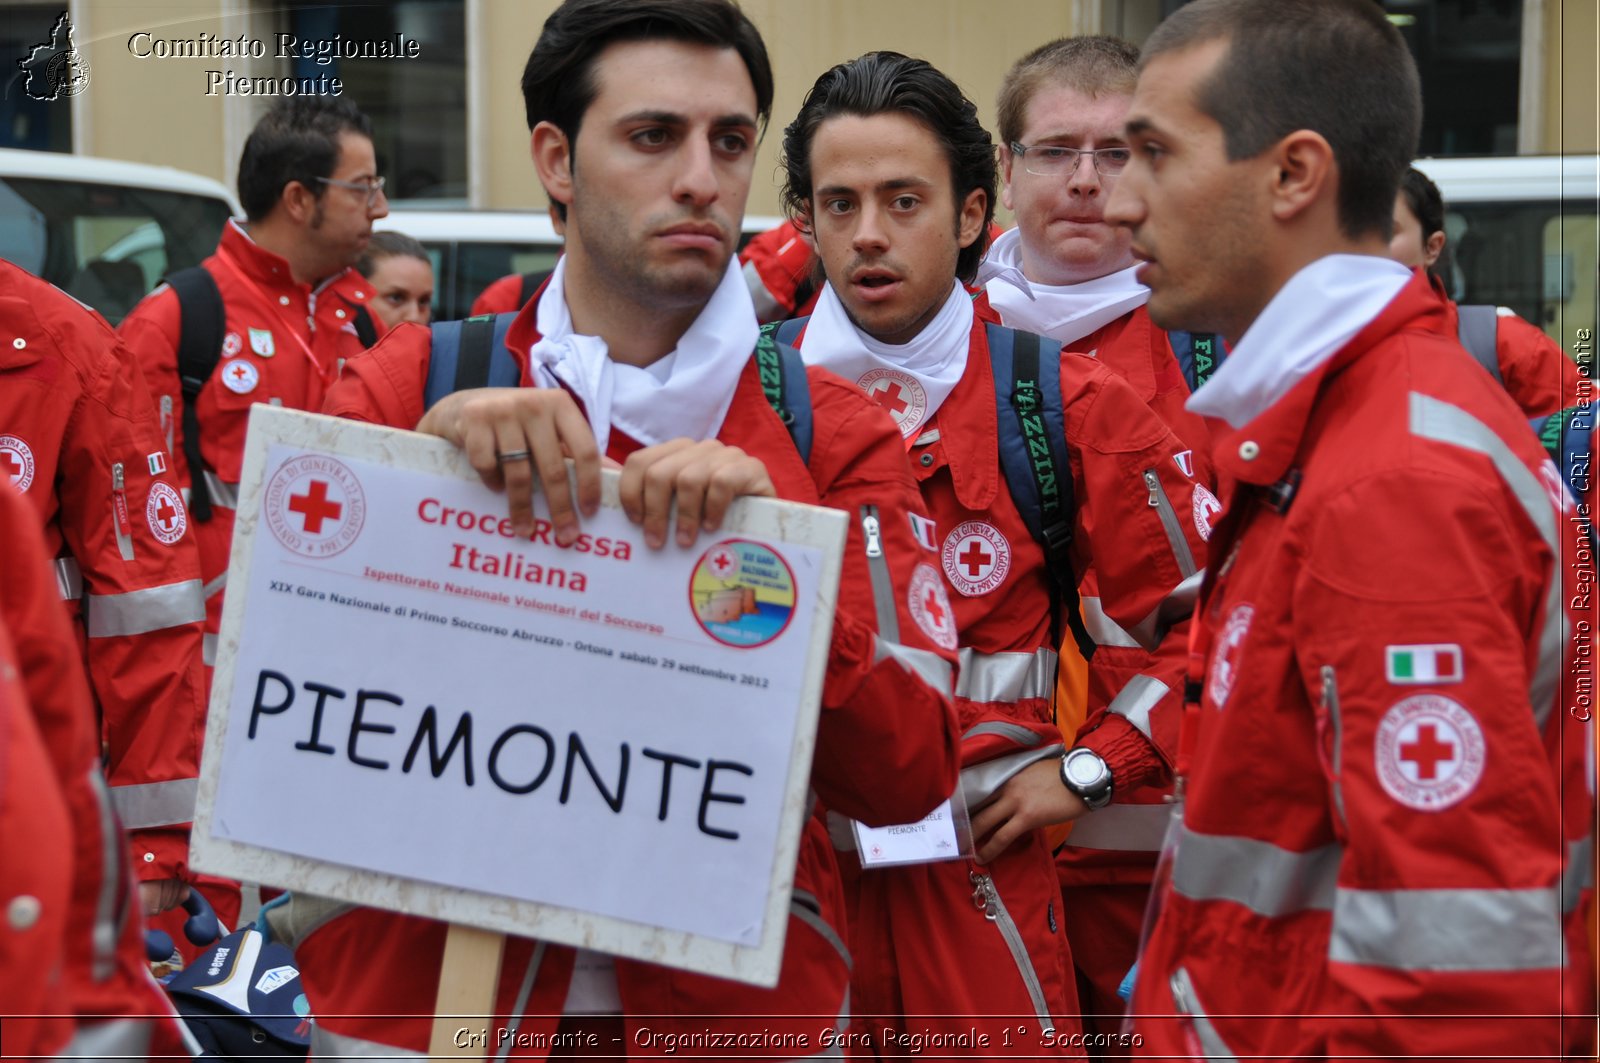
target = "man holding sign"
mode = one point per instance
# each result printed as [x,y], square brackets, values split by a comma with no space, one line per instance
[645,118]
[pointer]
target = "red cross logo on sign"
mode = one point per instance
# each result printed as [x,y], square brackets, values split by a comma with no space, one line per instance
[314,507]
[164,512]
[16,461]
[1429,752]
[899,393]
[976,558]
[722,562]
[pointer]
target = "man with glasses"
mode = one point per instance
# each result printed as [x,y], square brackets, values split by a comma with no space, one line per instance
[271,316]
[1067,273]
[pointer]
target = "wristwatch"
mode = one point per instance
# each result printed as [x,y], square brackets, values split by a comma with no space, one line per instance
[1085,774]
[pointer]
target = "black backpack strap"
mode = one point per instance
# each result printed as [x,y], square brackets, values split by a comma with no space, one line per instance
[201,324]
[1198,353]
[470,354]
[366,331]
[1476,327]
[530,284]
[783,380]
[1033,456]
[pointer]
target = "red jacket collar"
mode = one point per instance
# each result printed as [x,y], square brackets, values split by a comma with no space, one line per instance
[271,270]
[1273,438]
[970,412]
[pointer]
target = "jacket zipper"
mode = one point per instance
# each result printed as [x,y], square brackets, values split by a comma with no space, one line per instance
[1183,996]
[166,421]
[1330,704]
[987,900]
[878,569]
[1169,521]
[119,511]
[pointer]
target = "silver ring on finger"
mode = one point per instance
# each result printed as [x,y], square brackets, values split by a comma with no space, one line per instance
[513,455]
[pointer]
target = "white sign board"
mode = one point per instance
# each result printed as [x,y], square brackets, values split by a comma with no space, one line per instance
[602,745]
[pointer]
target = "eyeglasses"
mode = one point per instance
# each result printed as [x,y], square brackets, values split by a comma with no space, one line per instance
[372,186]
[1049,160]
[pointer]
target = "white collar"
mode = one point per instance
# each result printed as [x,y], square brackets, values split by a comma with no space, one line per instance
[1315,314]
[1064,312]
[685,394]
[910,380]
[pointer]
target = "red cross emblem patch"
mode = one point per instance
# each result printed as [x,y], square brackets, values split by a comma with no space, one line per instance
[976,558]
[1429,751]
[1223,670]
[930,607]
[16,461]
[900,394]
[315,506]
[164,512]
[1206,508]
[239,376]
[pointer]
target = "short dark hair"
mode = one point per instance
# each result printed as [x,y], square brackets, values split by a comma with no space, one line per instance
[891,83]
[1336,67]
[1095,66]
[298,140]
[1423,197]
[388,244]
[558,84]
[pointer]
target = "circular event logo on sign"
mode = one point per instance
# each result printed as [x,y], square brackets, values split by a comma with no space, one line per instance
[976,558]
[1429,752]
[742,593]
[163,511]
[315,506]
[899,393]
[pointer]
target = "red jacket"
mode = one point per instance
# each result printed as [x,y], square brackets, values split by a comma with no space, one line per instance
[72,941]
[283,343]
[504,296]
[932,949]
[1386,834]
[886,748]
[1534,370]
[78,435]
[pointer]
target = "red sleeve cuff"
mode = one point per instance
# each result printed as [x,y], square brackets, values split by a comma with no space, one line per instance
[1127,752]
[159,854]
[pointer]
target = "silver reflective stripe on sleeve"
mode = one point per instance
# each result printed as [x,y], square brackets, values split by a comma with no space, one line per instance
[1440,421]
[805,907]
[1102,628]
[1266,879]
[1175,608]
[1448,930]
[840,833]
[980,781]
[1579,873]
[325,1044]
[767,308]
[1122,828]
[127,1039]
[223,494]
[69,578]
[925,665]
[139,612]
[155,804]
[1183,995]
[1134,701]
[208,649]
[214,587]
[523,993]
[1017,733]
[1006,677]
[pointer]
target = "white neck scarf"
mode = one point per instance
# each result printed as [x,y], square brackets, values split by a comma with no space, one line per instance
[910,380]
[685,393]
[1066,312]
[1306,323]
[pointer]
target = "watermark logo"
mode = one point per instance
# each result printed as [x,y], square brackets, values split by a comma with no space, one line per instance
[55,69]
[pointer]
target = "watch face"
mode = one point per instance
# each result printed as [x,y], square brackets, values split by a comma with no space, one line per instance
[1085,771]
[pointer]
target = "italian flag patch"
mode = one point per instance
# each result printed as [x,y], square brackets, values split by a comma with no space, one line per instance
[1417,665]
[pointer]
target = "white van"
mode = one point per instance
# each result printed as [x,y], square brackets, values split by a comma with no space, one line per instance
[103,230]
[472,249]
[1523,232]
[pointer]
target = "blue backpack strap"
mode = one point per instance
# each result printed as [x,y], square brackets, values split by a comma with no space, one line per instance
[1199,354]
[1568,437]
[789,331]
[783,380]
[470,354]
[1033,456]
[1476,327]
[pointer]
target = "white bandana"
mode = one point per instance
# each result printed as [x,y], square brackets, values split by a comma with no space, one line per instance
[910,380]
[685,393]
[1066,313]
[1306,323]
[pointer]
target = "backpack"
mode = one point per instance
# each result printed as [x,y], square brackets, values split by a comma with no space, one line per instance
[473,354]
[1033,431]
[202,322]
[1475,328]
[1568,437]
[1199,354]
[242,999]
